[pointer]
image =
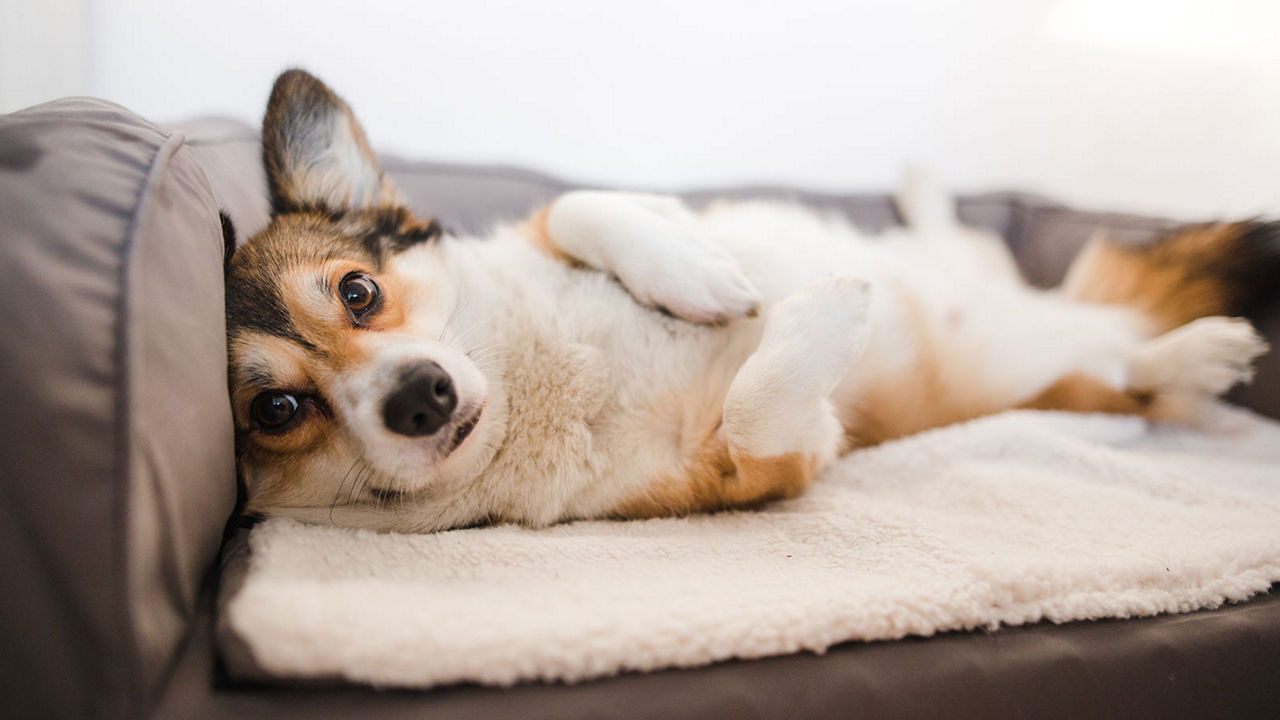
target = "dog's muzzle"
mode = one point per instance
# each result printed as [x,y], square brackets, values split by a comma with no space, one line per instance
[423,401]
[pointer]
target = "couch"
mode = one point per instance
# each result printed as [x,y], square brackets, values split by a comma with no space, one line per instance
[119,487]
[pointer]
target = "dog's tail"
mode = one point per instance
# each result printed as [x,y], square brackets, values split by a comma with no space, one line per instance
[1197,271]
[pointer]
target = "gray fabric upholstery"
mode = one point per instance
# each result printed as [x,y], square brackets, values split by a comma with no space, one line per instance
[230,154]
[1211,664]
[117,452]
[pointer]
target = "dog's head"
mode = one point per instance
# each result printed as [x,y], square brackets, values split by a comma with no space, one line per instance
[351,382]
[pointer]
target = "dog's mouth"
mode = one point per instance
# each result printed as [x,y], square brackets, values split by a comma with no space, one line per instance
[460,434]
[464,429]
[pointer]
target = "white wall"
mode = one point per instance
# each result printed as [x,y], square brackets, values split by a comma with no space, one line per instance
[1159,106]
[44,51]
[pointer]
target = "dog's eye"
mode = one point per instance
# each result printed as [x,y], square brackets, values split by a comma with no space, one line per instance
[358,292]
[273,410]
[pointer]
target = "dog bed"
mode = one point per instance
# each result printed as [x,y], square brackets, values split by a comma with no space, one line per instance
[1005,520]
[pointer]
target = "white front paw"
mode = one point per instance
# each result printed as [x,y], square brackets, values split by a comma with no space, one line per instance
[691,278]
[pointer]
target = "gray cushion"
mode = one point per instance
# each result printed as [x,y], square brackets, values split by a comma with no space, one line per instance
[117,454]
[230,153]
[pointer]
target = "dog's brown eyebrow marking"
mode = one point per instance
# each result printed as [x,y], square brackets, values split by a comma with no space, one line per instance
[322,283]
[257,374]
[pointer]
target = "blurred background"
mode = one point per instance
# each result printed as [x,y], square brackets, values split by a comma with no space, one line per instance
[1169,107]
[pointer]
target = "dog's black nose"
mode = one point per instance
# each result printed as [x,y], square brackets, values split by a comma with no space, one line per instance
[422,403]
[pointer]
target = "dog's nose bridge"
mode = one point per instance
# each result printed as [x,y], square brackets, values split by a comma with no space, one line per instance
[422,400]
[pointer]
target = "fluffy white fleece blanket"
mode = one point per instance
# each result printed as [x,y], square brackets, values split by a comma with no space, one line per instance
[1005,520]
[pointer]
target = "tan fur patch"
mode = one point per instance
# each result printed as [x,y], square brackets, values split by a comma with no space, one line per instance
[311,298]
[915,401]
[535,229]
[718,479]
[1081,393]
[1170,280]
[261,356]
[279,478]
[936,389]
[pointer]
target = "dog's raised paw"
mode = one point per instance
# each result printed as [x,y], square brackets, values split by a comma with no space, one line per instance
[826,324]
[694,280]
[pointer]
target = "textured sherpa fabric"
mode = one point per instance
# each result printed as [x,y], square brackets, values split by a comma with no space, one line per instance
[1010,519]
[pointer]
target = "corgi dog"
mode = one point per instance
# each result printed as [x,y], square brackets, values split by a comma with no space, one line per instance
[621,355]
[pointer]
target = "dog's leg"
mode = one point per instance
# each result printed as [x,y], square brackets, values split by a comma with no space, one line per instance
[1084,393]
[925,206]
[779,427]
[1168,376]
[930,211]
[779,423]
[651,244]
[1205,357]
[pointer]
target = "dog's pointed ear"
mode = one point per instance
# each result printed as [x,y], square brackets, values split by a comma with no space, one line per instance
[315,152]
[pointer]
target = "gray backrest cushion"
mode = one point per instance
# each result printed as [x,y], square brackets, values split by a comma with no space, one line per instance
[117,456]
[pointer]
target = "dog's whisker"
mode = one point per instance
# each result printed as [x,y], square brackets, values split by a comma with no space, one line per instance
[362,480]
[338,494]
[463,337]
[490,355]
[458,307]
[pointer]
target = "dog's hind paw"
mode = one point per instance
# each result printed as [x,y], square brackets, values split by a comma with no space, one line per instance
[821,329]
[1206,356]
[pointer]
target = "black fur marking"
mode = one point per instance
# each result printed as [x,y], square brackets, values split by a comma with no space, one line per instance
[228,240]
[1252,272]
[332,215]
[257,305]
[394,229]
[417,234]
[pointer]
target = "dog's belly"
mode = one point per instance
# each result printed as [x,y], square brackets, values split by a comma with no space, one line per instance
[668,379]
[955,333]
[663,393]
[951,337]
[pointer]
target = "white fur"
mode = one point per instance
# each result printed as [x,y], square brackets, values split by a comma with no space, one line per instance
[779,400]
[652,244]
[337,172]
[1205,356]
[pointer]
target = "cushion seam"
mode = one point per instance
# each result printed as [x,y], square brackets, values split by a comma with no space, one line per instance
[136,692]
